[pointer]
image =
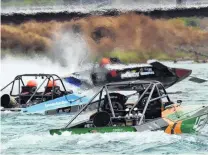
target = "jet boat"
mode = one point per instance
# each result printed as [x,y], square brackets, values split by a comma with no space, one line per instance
[146,106]
[113,70]
[49,97]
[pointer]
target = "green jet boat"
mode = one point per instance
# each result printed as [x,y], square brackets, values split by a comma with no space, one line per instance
[135,106]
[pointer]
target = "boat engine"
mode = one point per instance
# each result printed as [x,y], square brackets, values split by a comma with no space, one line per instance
[101,119]
[8,101]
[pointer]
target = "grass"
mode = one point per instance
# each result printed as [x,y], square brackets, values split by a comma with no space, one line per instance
[143,56]
[126,56]
[193,22]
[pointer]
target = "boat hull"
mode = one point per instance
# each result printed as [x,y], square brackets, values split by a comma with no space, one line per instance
[70,103]
[193,123]
[155,71]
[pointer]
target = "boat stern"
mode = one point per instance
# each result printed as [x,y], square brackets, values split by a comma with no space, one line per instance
[181,73]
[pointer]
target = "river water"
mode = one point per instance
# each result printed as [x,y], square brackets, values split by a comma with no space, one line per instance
[29,134]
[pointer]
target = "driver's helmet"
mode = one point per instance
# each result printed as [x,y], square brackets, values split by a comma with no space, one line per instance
[105,61]
[51,84]
[31,83]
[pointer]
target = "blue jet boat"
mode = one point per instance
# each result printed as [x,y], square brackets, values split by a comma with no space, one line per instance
[48,97]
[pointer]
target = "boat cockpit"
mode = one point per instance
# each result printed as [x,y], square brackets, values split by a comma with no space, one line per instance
[113,106]
[26,90]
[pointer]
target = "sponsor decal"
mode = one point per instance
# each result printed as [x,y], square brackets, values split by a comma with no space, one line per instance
[129,75]
[118,130]
[51,104]
[147,73]
[93,131]
[134,73]
[200,122]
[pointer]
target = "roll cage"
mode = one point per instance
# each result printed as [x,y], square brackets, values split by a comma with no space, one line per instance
[46,78]
[142,88]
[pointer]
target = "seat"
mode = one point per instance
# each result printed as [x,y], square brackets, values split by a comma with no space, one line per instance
[28,90]
[118,102]
[26,93]
[154,108]
[49,91]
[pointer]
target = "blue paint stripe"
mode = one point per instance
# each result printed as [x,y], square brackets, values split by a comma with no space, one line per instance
[73,80]
[60,102]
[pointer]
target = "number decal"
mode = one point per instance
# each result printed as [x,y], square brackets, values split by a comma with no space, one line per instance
[200,122]
[80,107]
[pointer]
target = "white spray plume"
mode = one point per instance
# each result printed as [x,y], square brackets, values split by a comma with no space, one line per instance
[70,51]
[13,66]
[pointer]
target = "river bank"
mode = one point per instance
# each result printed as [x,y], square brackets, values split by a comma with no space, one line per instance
[129,36]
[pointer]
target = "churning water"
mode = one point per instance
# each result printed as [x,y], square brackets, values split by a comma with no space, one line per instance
[29,134]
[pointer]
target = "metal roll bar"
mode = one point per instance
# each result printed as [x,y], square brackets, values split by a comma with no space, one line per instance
[149,85]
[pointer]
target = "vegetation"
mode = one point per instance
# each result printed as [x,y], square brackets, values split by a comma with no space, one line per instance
[128,36]
[192,21]
[143,56]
